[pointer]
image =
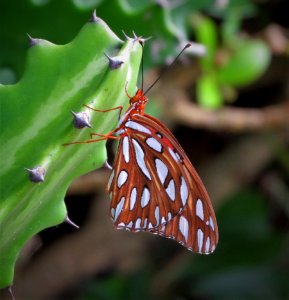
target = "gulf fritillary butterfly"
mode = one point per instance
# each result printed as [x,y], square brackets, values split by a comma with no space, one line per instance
[153,186]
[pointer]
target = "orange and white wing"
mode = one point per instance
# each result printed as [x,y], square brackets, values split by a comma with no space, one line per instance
[154,187]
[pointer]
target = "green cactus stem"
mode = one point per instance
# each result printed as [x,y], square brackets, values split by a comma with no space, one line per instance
[36,121]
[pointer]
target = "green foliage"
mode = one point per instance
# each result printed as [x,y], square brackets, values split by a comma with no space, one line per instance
[245,64]
[36,120]
[244,60]
[169,24]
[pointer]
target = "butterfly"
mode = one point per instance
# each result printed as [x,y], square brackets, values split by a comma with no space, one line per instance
[153,186]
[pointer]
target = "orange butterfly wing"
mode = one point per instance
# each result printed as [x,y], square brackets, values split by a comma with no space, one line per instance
[155,188]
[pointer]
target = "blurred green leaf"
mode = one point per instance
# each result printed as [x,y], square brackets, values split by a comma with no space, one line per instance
[206,34]
[208,92]
[246,64]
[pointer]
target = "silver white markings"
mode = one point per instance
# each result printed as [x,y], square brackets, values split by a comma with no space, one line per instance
[154,144]
[133,196]
[145,223]
[157,214]
[136,126]
[212,223]
[174,155]
[122,178]
[119,208]
[162,170]
[184,227]
[137,223]
[184,191]
[200,239]
[125,149]
[145,197]
[140,158]
[200,209]
[171,190]
[207,245]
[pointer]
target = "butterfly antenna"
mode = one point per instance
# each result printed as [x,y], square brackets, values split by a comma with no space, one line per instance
[167,67]
[142,73]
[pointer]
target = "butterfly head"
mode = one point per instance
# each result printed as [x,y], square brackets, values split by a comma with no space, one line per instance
[138,101]
[139,97]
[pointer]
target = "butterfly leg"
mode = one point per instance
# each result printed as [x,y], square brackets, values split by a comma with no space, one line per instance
[107,110]
[104,137]
[99,134]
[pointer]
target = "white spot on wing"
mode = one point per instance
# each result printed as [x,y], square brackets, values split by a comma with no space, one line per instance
[200,239]
[212,223]
[136,126]
[200,209]
[208,245]
[157,214]
[137,223]
[119,208]
[184,191]
[171,190]
[140,158]
[122,177]
[162,170]
[145,223]
[129,225]
[177,155]
[145,197]
[163,220]
[125,149]
[132,198]
[154,144]
[169,216]
[184,227]
[173,154]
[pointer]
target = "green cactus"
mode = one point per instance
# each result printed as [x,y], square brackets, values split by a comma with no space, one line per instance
[36,121]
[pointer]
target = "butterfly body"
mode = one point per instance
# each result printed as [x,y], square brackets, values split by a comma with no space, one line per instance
[153,186]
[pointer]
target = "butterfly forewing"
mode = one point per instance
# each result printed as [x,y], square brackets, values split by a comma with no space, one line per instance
[147,186]
[155,188]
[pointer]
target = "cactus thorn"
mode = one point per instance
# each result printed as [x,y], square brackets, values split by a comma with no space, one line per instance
[135,36]
[114,62]
[94,18]
[140,39]
[36,174]
[107,165]
[32,41]
[67,220]
[126,36]
[81,120]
